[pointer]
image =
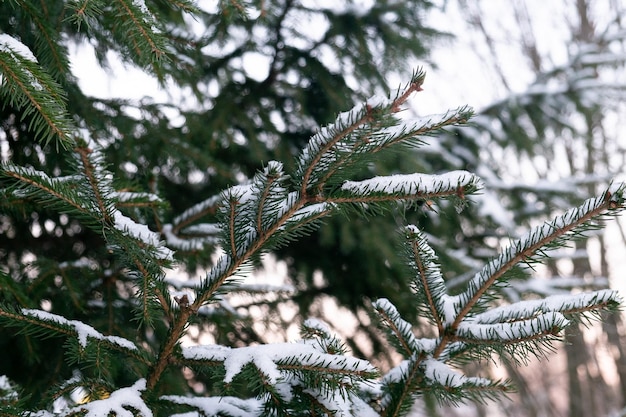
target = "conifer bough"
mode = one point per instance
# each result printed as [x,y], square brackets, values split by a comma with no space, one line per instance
[313,376]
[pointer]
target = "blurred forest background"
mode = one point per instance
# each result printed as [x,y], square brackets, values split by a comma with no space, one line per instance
[547,81]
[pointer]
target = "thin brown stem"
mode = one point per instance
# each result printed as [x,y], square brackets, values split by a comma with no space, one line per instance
[89,170]
[406,391]
[329,145]
[423,272]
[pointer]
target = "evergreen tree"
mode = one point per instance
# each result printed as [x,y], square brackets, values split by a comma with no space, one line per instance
[227,119]
[97,329]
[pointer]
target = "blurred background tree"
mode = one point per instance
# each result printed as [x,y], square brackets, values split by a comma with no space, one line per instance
[549,130]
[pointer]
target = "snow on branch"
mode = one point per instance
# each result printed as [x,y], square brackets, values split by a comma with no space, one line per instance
[400,330]
[406,129]
[27,86]
[328,136]
[136,199]
[197,211]
[38,185]
[196,239]
[272,199]
[275,359]
[82,330]
[565,304]
[454,183]
[355,133]
[119,403]
[11,45]
[428,282]
[547,324]
[236,219]
[142,233]
[337,403]
[441,374]
[219,406]
[307,214]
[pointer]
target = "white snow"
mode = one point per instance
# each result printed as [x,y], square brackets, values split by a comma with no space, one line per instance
[141,5]
[412,184]
[9,393]
[267,358]
[309,211]
[13,46]
[186,244]
[84,331]
[317,325]
[243,193]
[440,373]
[198,208]
[218,406]
[203,228]
[134,229]
[513,331]
[341,405]
[554,303]
[120,402]
[397,373]
[4,383]
[141,232]
[449,308]
[125,196]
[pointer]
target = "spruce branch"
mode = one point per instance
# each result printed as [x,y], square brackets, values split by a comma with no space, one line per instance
[90,197]
[543,325]
[428,283]
[401,331]
[197,211]
[46,324]
[274,358]
[451,387]
[518,330]
[51,52]
[411,186]
[139,26]
[85,11]
[38,185]
[381,134]
[130,199]
[322,154]
[92,166]
[533,246]
[401,386]
[25,85]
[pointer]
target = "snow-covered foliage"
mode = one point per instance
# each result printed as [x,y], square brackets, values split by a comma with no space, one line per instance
[315,374]
[152,371]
